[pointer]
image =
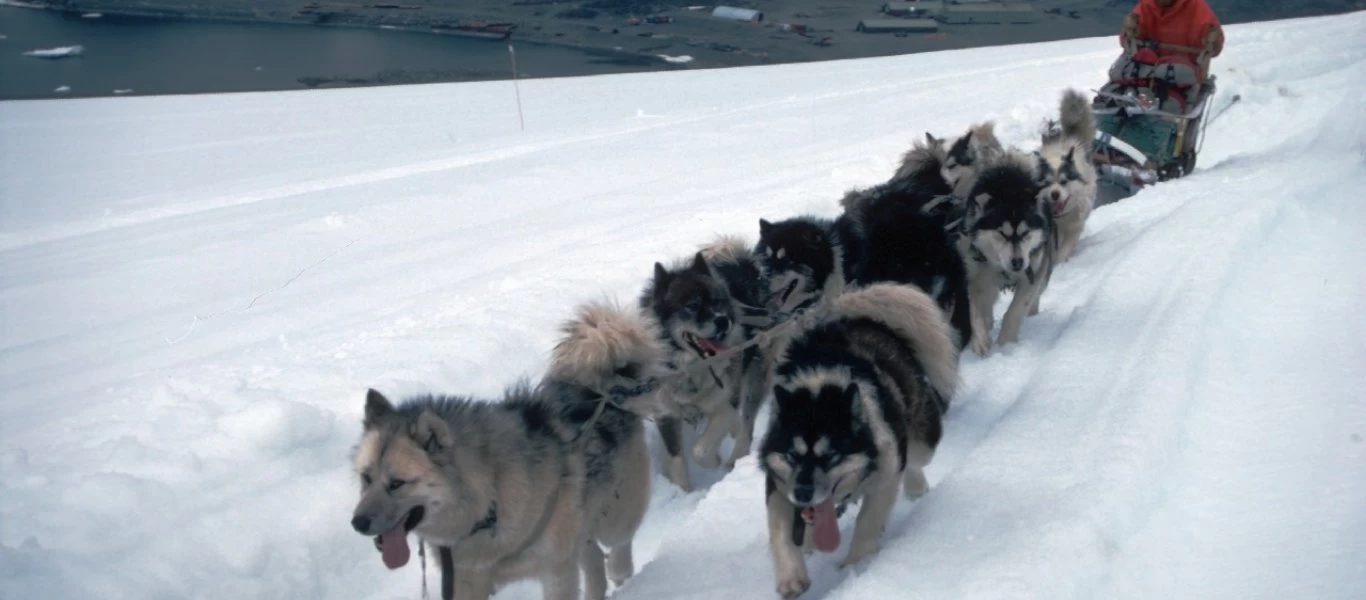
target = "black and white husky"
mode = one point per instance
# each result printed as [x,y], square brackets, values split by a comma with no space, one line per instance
[891,232]
[1008,242]
[1065,171]
[906,240]
[807,258]
[859,398]
[705,306]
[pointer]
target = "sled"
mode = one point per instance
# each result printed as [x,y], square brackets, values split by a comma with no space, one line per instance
[1137,144]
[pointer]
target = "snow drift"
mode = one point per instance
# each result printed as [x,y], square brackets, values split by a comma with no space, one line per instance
[198,292]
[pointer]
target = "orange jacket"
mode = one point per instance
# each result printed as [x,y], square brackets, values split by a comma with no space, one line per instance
[1186,23]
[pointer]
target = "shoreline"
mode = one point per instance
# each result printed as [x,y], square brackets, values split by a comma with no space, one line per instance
[201,16]
[792,31]
[818,32]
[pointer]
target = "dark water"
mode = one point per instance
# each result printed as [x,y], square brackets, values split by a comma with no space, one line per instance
[152,56]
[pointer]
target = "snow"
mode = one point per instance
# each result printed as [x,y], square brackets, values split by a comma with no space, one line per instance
[197,294]
[58,52]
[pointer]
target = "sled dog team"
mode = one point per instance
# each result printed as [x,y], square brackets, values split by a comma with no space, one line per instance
[852,325]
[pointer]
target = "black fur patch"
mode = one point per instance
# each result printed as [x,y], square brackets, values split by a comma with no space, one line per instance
[1014,199]
[960,153]
[905,245]
[537,418]
[1069,167]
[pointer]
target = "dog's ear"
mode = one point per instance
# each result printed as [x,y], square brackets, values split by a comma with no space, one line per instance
[432,432]
[931,140]
[661,275]
[1068,157]
[699,264]
[376,407]
[764,228]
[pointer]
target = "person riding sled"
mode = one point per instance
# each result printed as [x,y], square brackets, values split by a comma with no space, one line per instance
[1168,45]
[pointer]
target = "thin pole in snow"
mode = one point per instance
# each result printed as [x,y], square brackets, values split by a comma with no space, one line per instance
[512,56]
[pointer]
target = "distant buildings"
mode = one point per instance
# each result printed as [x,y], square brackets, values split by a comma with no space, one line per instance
[737,14]
[898,26]
[964,12]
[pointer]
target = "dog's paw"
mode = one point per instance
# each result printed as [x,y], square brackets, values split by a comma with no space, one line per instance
[734,458]
[981,344]
[1006,338]
[914,484]
[706,457]
[793,585]
[856,555]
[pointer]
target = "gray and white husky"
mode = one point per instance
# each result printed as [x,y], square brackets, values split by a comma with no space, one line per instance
[966,156]
[1065,170]
[706,306]
[859,398]
[1007,242]
[533,486]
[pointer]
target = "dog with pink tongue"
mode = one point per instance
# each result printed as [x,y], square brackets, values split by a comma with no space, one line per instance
[859,398]
[550,482]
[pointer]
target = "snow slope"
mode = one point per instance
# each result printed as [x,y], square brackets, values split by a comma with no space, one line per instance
[198,290]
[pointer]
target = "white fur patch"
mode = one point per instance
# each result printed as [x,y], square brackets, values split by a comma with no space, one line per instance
[778,463]
[816,378]
[367,453]
[820,446]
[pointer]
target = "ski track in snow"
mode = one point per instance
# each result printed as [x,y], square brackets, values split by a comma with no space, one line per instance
[199,289]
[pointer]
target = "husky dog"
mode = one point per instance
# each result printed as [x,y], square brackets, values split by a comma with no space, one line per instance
[891,232]
[806,259]
[1008,241]
[705,306]
[859,398]
[923,166]
[906,239]
[532,486]
[967,154]
[1066,173]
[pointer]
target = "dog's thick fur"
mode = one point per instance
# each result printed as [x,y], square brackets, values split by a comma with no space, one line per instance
[891,232]
[706,305]
[905,239]
[1066,173]
[966,156]
[533,486]
[859,398]
[1008,241]
[923,167]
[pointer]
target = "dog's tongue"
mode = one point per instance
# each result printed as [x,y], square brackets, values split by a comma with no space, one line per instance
[826,534]
[394,547]
[710,345]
